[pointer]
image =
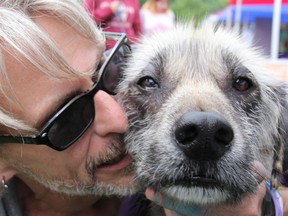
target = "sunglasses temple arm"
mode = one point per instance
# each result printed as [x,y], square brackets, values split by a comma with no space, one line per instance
[96,88]
[14,139]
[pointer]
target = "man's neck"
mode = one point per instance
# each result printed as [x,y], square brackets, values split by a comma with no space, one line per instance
[41,201]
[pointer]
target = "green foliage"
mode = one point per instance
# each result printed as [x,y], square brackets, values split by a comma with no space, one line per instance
[197,9]
[142,2]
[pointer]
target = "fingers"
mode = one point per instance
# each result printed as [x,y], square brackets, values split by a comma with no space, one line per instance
[260,170]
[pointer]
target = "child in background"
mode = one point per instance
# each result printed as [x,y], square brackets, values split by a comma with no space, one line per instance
[156,16]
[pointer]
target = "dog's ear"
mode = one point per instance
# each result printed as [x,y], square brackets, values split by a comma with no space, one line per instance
[280,165]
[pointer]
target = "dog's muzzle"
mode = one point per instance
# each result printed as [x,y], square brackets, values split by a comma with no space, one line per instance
[203,136]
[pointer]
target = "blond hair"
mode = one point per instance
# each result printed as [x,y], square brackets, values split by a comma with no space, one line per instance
[151,6]
[19,33]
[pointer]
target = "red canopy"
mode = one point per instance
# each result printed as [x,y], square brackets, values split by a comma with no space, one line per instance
[233,2]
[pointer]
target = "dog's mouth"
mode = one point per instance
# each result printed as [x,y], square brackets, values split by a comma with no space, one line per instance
[195,181]
[201,181]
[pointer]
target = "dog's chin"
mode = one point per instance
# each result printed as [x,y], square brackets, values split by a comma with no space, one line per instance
[199,190]
[201,195]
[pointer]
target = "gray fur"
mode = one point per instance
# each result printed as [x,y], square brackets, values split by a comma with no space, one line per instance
[194,70]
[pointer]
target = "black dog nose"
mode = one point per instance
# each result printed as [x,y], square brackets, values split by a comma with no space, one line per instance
[203,135]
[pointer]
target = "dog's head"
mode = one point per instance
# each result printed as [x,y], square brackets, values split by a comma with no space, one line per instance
[202,110]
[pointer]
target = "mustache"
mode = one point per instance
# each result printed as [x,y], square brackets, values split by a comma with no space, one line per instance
[114,152]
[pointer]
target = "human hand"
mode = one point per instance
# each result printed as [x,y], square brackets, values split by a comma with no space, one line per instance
[284,195]
[172,208]
[250,205]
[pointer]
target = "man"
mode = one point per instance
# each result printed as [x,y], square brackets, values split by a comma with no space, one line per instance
[46,60]
[61,150]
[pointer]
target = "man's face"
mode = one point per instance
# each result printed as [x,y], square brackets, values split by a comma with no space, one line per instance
[97,163]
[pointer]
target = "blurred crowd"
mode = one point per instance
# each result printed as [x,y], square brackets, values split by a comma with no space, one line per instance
[128,17]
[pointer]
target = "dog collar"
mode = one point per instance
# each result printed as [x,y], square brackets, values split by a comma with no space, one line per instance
[276,198]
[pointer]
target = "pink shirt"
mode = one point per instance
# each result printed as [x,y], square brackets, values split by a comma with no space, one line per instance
[125,20]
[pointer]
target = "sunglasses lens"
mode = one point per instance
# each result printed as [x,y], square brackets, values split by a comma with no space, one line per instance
[114,70]
[72,123]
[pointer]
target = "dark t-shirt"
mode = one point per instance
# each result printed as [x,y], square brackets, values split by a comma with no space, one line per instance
[135,205]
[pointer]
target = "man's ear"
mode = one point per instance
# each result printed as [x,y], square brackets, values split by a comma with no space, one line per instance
[6,172]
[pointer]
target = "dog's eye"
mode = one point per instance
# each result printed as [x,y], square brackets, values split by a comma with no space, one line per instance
[147,83]
[242,84]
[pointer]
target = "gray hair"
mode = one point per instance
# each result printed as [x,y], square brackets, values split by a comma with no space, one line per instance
[18,33]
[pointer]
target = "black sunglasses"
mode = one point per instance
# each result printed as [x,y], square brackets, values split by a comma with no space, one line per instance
[69,123]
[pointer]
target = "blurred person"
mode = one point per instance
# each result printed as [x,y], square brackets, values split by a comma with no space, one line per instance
[285,53]
[156,16]
[116,16]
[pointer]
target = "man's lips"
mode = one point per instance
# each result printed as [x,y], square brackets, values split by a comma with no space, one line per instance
[117,163]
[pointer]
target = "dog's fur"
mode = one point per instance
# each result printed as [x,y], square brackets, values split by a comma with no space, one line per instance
[202,77]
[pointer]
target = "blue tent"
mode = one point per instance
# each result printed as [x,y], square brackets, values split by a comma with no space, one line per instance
[249,13]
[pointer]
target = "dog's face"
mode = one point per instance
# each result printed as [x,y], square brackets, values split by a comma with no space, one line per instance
[202,110]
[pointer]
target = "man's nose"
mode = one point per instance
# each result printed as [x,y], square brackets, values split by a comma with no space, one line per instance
[109,116]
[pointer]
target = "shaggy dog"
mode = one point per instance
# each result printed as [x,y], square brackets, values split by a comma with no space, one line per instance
[202,109]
